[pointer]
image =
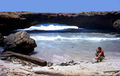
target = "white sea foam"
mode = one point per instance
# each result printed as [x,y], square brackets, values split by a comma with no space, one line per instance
[72,38]
[50,27]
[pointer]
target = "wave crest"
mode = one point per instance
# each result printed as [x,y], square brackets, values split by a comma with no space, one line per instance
[73,38]
[50,27]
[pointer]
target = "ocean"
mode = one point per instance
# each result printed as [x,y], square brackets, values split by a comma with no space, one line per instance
[61,43]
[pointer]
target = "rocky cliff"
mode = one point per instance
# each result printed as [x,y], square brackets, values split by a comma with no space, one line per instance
[96,20]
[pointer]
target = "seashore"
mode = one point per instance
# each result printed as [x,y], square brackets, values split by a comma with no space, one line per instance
[12,66]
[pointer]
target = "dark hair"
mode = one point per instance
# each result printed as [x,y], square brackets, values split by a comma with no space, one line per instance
[99,48]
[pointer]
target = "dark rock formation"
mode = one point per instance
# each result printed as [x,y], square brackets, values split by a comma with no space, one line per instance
[68,63]
[1,40]
[117,24]
[11,21]
[95,20]
[20,42]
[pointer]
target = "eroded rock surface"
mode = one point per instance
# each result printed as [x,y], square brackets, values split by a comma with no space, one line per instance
[117,24]
[20,42]
[95,20]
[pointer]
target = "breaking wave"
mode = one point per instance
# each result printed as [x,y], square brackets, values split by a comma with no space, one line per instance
[50,27]
[50,38]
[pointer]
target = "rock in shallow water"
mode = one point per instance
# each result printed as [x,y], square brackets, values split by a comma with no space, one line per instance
[20,42]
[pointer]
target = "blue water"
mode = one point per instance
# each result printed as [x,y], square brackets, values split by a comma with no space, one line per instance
[79,46]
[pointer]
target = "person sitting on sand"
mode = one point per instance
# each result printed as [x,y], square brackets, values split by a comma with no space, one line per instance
[99,54]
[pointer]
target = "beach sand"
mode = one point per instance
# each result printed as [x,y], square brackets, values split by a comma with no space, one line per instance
[82,68]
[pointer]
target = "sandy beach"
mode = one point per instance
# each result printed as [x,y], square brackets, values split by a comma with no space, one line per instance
[17,67]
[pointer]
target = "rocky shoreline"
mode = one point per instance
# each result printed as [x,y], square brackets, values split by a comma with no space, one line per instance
[94,20]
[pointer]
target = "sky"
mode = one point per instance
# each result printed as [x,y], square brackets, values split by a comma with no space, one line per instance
[59,6]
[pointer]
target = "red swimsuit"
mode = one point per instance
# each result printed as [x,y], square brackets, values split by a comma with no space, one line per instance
[102,53]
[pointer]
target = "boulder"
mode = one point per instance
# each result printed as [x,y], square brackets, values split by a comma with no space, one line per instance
[19,42]
[116,24]
[1,40]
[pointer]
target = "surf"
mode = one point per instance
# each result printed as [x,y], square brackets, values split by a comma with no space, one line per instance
[50,27]
[58,37]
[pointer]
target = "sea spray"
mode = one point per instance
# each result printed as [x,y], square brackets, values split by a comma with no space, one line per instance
[50,27]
